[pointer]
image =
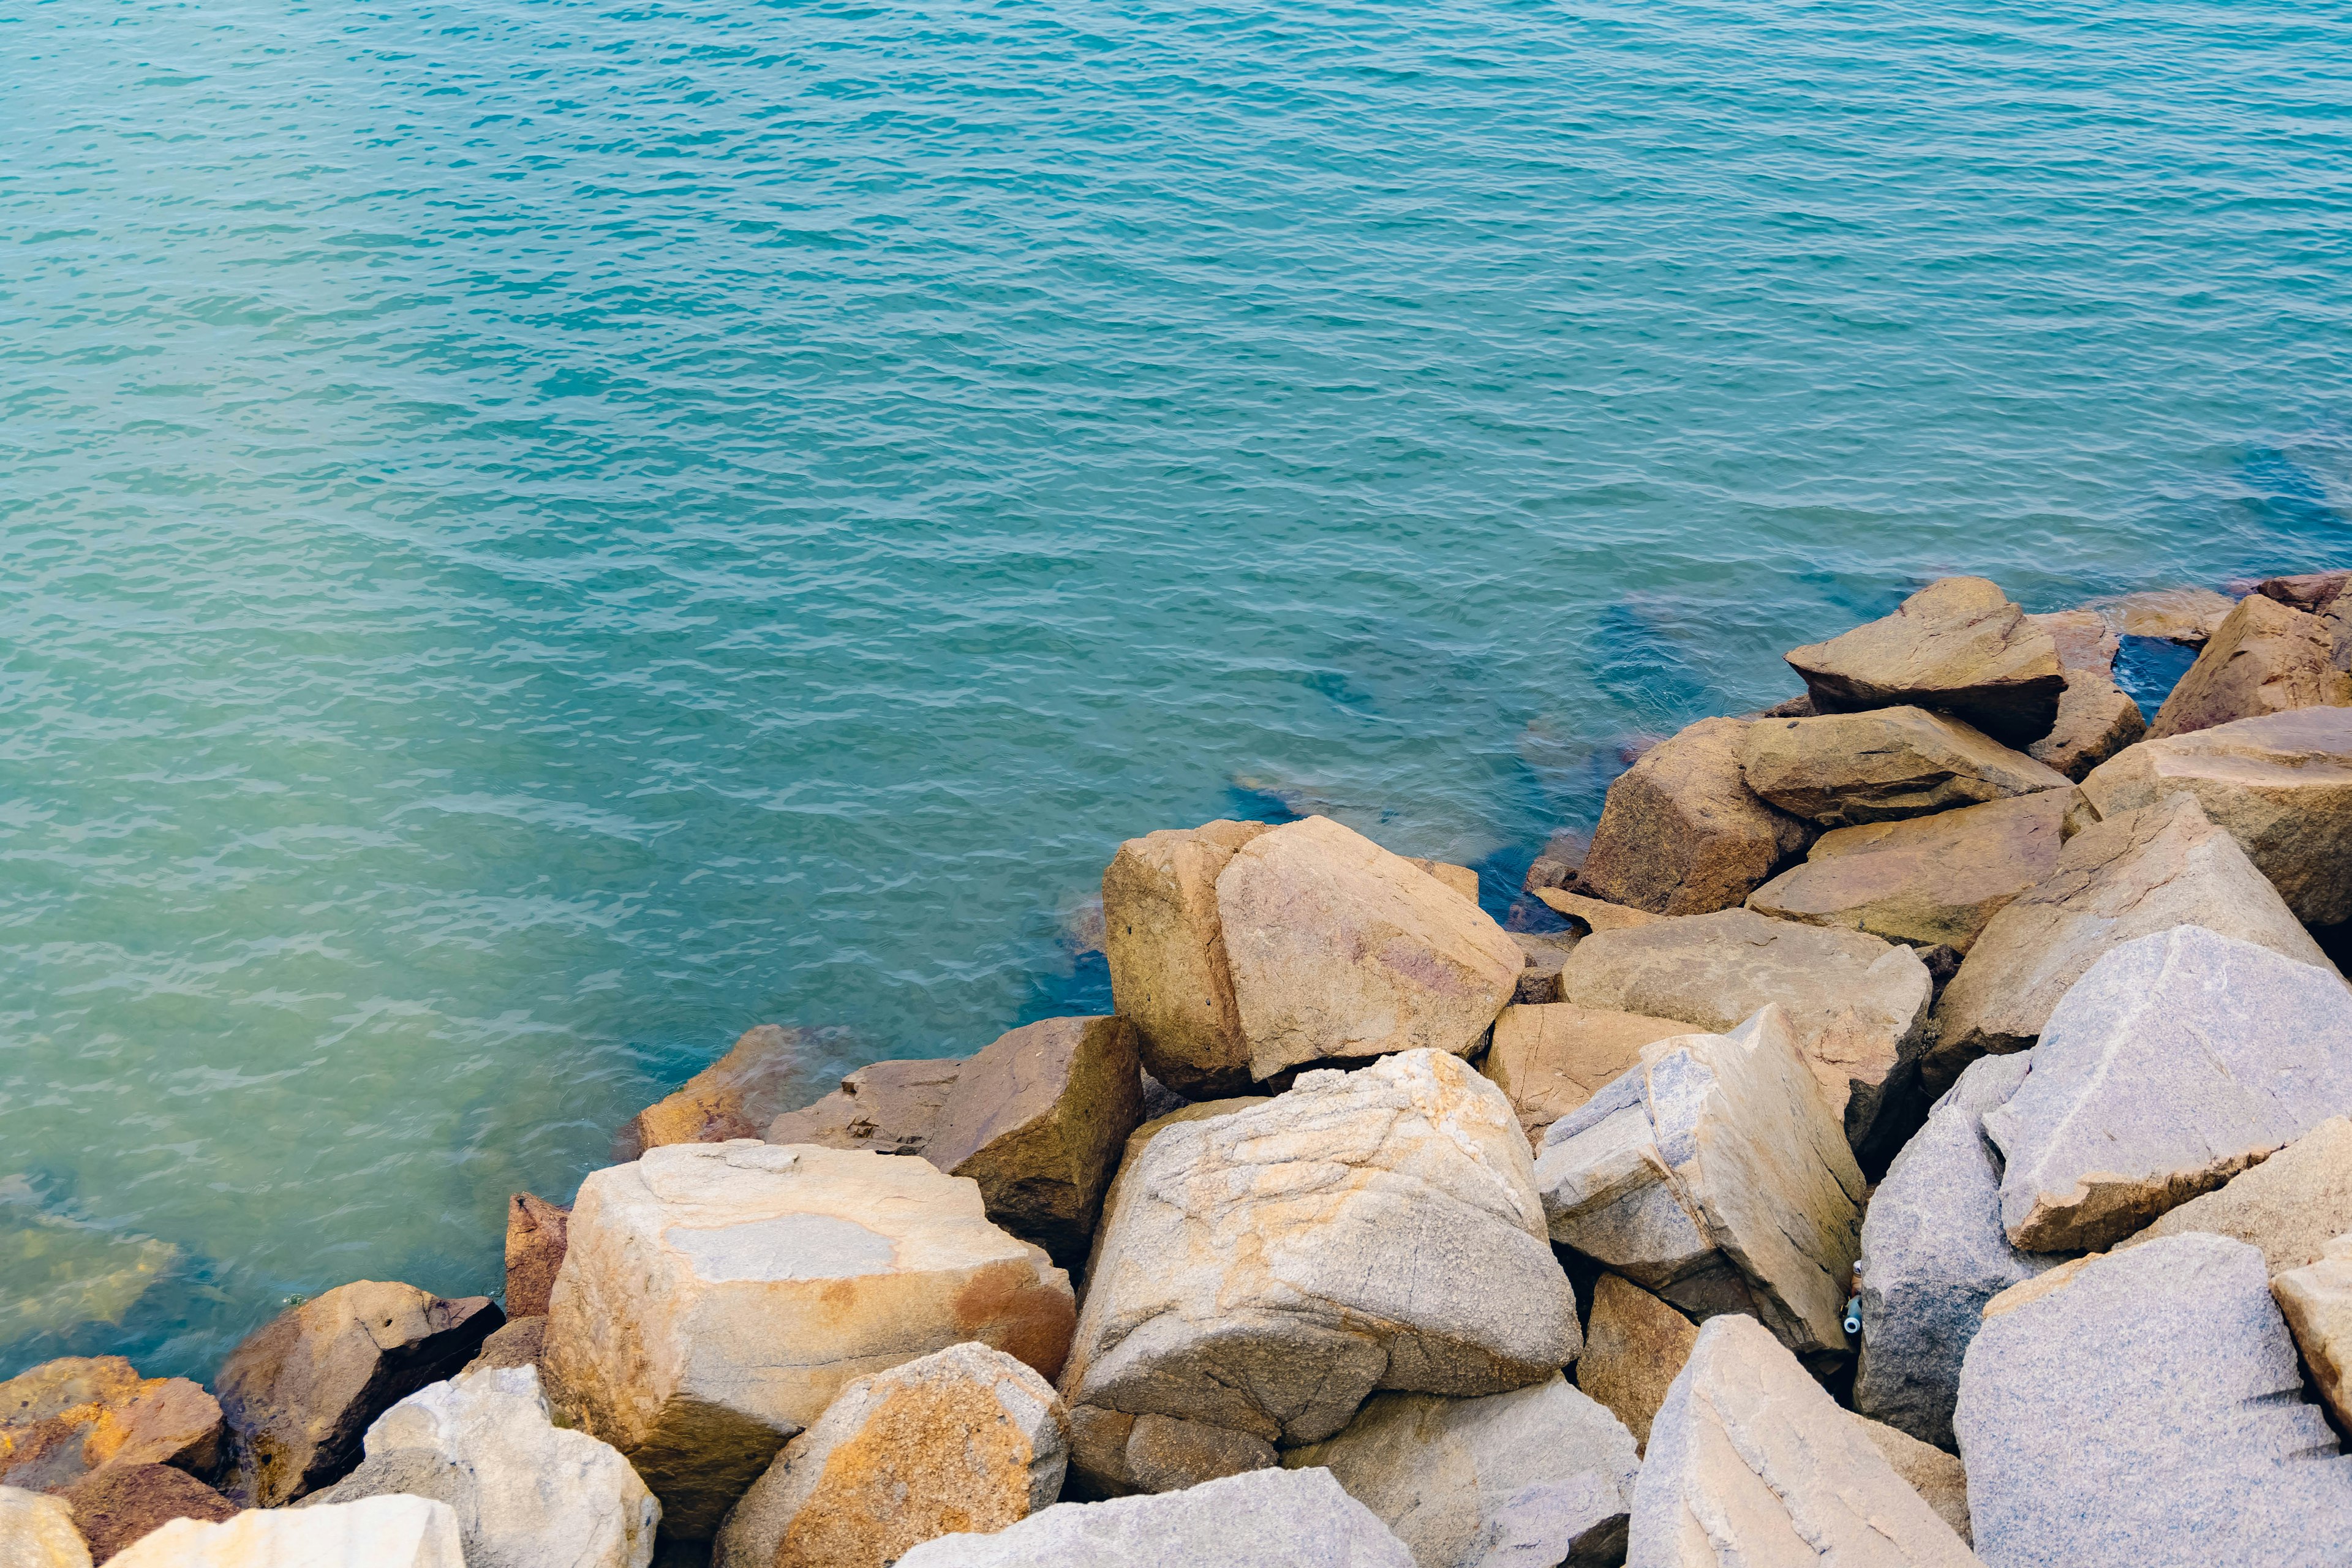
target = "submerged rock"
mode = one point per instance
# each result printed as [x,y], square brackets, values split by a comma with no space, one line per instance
[1681,833]
[1883,766]
[2265,658]
[1549,1058]
[64,1419]
[737,1096]
[1166,945]
[535,1242]
[2189,615]
[379,1532]
[2291,1205]
[1956,645]
[118,1504]
[885,1108]
[1633,1346]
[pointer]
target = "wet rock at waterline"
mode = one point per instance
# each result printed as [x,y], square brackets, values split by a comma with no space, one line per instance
[65,1419]
[2097,718]
[737,1096]
[885,1108]
[2186,615]
[1681,833]
[1957,645]
[1883,766]
[2265,658]
[535,1242]
[1165,942]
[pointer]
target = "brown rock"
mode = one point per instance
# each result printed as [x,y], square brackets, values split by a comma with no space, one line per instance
[1165,943]
[1038,1120]
[887,1108]
[1594,915]
[1681,833]
[517,1343]
[2266,659]
[1546,952]
[1940,1478]
[1633,1347]
[1550,1059]
[2097,718]
[535,1237]
[2291,1205]
[65,1419]
[735,1097]
[2315,592]
[300,1392]
[1957,645]
[1932,879]
[2189,616]
[1882,765]
[122,1503]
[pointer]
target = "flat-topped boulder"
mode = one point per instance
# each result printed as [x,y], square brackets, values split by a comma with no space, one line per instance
[66,1418]
[1633,1345]
[37,1531]
[1717,1175]
[966,1438]
[1299,1519]
[1750,1461]
[2134,874]
[2290,1206]
[377,1533]
[2097,718]
[2147,1411]
[1549,1058]
[1882,765]
[2176,1061]
[1337,948]
[1265,1268]
[885,1108]
[1930,881]
[2265,658]
[1858,1006]
[118,1504]
[1932,1254]
[2280,785]
[716,1297]
[757,1081]
[1542,1474]
[1957,645]
[1682,834]
[2316,1299]
[1166,946]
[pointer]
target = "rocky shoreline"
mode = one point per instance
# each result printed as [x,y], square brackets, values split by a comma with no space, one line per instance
[1925,1138]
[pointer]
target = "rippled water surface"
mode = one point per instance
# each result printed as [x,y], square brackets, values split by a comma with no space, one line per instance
[539,535]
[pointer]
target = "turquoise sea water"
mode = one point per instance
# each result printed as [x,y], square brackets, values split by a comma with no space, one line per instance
[538,535]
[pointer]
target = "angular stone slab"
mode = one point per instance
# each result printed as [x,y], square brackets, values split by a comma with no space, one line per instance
[1956,645]
[716,1297]
[1298,1519]
[1932,1254]
[1633,1346]
[118,1504]
[885,1108]
[1715,1175]
[1550,1059]
[2141,872]
[1881,766]
[2291,1205]
[1594,915]
[1859,1005]
[737,1096]
[379,1532]
[2316,1299]
[1265,1268]
[1541,1474]
[66,1418]
[2176,1061]
[1940,1478]
[1681,833]
[535,1242]
[1932,879]
[1751,1462]
[2144,1412]
[1166,945]
[37,1531]
[2280,785]
[1337,948]
[2097,718]
[2265,658]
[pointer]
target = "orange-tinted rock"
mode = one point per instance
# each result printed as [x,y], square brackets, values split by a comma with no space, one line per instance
[535,1233]
[1165,943]
[2265,658]
[123,1503]
[1682,834]
[737,1096]
[65,1419]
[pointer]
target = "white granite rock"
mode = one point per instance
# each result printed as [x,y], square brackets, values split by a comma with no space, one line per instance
[375,1532]
[36,1531]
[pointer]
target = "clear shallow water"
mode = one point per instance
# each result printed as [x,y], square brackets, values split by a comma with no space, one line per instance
[538,535]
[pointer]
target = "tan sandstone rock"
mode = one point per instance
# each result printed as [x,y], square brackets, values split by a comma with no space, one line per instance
[2097,718]
[2280,785]
[1594,915]
[1166,946]
[1882,765]
[2291,1205]
[122,1503]
[1857,1005]
[379,1532]
[37,1531]
[2265,658]
[1548,1059]
[65,1419]
[716,1297]
[966,1438]
[737,1096]
[1957,645]
[1681,833]
[2189,615]
[535,1240]
[1932,879]
[1337,948]
[1940,1478]
[2316,1301]
[1634,1344]
[2134,874]
[1460,878]
[887,1107]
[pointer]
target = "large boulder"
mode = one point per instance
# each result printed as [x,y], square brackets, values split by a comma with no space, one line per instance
[1166,946]
[2265,658]
[1298,1519]
[2280,785]
[966,1438]
[535,1242]
[1956,645]
[885,1108]
[2291,1205]
[1551,1058]
[1265,1268]
[1038,1120]
[299,1394]
[1337,948]
[2097,718]
[716,1297]
[37,1531]
[2143,871]
[1750,1461]
[1542,1474]
[1932,1254]
[1681,833]
[2145,1410]
[64,1419]
[379,1532]
[1716,1174]
[1859,1006]
[2316,1299]
[1930,881]
[527,1494]
[1633,1346]
[119,1504]
[1883,766]
[2176,1061]
[737,1096]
